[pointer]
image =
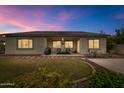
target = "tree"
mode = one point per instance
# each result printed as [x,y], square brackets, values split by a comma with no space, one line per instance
[118,38]
[102,32]
[110,43]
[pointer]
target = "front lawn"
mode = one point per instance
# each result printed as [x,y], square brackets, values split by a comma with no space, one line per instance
[11,68]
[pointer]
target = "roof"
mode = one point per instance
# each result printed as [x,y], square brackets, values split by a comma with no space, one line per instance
[55,34]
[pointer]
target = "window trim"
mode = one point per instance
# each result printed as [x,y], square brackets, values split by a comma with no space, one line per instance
[69,41]
[55,41]
[25,48]
[93,43]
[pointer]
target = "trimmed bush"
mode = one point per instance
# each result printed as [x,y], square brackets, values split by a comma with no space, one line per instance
[92,53]
[106,79]
[65,51]
[47,51]
[2,49]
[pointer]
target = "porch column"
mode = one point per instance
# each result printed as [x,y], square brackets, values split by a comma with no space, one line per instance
[75,45]
[42,44]
[62,42]
[84,46]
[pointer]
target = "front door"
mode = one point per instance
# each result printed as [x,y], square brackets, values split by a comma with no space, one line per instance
[78,46]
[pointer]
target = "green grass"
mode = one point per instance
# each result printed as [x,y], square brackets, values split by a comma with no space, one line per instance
[106,79]
[11,68]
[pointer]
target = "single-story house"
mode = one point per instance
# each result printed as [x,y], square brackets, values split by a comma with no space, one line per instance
[36,42]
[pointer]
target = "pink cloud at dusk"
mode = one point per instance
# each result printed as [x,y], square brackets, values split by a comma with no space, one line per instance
[19,18]
[37,25]
[64,16]
[70,15]
[27,20]
[11,11]
[20,24]
[119,16]
[4,31]
[55,27]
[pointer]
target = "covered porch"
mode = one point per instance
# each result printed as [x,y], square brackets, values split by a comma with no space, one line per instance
[63,45]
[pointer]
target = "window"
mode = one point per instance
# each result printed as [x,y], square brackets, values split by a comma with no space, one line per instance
[3,36]
[56,44]
[25,43]
[68,44]
[94,43]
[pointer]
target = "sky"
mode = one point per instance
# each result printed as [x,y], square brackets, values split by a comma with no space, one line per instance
[88,18]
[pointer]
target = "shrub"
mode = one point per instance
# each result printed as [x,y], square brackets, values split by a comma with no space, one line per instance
[63,51]
[92,53]
[58,50]
[68,50]
[42,78]
[2,48]
[106,79]
[47,51]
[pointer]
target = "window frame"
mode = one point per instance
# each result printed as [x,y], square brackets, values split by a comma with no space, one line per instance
[93,43]
[25,48]
[56,41]
[69,41]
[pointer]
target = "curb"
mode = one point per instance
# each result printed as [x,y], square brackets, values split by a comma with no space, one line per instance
[85,78]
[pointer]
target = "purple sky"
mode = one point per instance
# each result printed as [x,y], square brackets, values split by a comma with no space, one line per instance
[61,18]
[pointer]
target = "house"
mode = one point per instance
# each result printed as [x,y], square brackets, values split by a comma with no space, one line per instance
[36,42]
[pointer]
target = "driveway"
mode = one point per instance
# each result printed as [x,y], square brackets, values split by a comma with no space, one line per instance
[115,64]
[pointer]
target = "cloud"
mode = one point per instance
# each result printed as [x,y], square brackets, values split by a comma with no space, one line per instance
[55,27]
[119,16]
[70,15]
[27,20]
[64,16]
[37,25]
[4,31]
[17,24]
[32,18]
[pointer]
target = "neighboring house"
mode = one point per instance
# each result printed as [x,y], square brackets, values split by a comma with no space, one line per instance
[36,42]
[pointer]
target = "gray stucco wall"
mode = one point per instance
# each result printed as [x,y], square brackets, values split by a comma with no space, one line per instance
[84,45]
[39,44]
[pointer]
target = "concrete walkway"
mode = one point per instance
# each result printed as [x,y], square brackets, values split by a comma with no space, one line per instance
[114,64]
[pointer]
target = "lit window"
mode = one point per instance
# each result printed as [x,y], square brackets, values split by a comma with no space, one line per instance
[3,36]
[68,44]
[94,43]
[56,44]
[90,43]
[25,43]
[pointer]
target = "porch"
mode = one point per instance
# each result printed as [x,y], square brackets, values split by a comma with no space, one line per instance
[64,45]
